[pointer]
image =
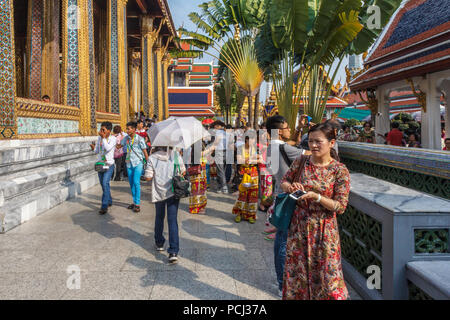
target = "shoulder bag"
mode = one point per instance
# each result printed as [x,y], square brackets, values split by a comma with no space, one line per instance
[285,205]
[180,186]
[101,166]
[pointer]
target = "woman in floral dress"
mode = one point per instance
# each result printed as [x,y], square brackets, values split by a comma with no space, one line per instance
[264,175]
[313,268]
[247,202]
[197,199]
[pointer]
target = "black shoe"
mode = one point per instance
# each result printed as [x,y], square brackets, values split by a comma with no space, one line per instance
[159,248]
[103,210]
[173,258]
[131,206]
[110,205]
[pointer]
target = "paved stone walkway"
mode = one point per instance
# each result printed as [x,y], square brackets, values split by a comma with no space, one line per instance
[218,259]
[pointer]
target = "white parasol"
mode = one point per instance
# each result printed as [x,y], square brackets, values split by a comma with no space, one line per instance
[179,132]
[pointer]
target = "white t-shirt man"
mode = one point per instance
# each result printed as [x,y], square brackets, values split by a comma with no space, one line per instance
[105,147]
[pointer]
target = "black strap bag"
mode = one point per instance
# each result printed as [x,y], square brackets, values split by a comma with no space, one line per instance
[181,187]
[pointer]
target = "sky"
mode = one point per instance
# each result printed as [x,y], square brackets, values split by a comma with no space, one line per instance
[180,10]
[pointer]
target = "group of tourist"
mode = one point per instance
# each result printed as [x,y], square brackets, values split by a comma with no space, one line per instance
[260,166]
[395,137]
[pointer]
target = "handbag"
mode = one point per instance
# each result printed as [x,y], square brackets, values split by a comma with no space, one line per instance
[180,186]
[285,205]
[101,166]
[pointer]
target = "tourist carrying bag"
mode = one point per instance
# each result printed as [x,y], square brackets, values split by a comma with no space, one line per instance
[101,166]
[180,186]
[285,205]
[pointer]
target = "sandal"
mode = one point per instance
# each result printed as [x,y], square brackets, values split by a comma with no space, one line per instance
[238,219]
[251,220]
[131,206]
[269,230]
[270,237]
[137,209]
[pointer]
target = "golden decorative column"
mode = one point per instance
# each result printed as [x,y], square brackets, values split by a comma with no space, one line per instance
[50,50]
[135,83]
[34,50]
[122,35]
[159,78]
[8,123]
[84,68]
[165,65]
[149,37]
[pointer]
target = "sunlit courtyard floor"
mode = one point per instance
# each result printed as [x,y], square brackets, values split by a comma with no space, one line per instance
[218,259]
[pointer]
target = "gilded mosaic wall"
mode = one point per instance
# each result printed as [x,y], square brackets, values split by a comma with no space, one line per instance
[35,51]
[73,86]
[115,108]
[92,76]
[7,73]
[145,88]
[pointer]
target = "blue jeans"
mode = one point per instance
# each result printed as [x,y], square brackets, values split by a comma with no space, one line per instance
[279,248]
[105,178]
[134,178]
[172,211]
[208,176]
[228,171]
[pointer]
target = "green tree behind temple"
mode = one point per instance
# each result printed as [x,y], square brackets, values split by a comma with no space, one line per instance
[315,33]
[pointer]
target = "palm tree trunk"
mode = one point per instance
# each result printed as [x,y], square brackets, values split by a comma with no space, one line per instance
[255,111]
[249,111]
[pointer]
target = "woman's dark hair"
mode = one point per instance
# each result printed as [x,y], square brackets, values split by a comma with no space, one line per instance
[117,129]
[367,123]
[328,130]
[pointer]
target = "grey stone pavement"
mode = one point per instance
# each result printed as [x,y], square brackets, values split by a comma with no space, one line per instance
[218,259]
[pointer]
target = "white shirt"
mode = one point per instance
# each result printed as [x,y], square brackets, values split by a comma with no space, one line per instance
[160,169]
[106,146]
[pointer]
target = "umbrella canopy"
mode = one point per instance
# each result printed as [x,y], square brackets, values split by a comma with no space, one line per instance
[207,121]
[179,132]
[369,117]
[418,114]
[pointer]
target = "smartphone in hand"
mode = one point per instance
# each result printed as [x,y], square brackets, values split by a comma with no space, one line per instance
[297,194]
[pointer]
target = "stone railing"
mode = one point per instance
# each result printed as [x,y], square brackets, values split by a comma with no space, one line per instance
[419,169]
[388,226]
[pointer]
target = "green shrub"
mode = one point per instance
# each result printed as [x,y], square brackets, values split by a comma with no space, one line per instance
[352,122]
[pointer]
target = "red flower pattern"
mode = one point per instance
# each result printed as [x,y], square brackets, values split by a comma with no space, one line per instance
[313,269]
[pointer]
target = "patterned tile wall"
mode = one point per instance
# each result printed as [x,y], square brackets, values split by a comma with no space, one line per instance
[7,93]
[92,84]
[114,59]
[44,126]
[37,15]
[73,86]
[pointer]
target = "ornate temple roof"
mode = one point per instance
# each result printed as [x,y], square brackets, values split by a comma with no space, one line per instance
[415,42]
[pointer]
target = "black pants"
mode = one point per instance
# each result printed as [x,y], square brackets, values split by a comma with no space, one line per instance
[119,168]
[124,165]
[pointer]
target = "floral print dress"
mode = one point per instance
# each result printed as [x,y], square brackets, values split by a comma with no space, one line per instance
[313,269]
